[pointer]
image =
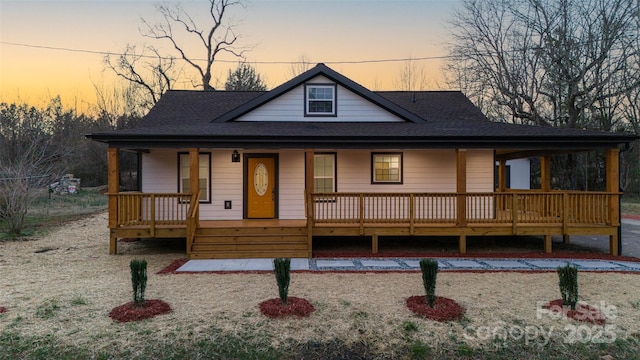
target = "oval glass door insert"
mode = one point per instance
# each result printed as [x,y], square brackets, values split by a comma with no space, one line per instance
[260,179]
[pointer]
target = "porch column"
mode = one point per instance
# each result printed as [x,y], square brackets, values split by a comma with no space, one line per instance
[309,189]
[545,186]
[194,170]
[502,175]
[461,204]
[613,187]
[113,187]
[545,173]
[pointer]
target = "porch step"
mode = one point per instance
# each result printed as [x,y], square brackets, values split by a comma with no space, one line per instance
[247,254]
[228,243]
[251,231]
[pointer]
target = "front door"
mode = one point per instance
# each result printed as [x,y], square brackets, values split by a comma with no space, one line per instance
[260,184]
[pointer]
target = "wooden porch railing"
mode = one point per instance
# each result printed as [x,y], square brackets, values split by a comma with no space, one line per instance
[151,209]
[557,207]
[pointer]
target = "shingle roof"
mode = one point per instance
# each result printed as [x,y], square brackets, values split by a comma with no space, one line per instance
[185,107]
[433,119]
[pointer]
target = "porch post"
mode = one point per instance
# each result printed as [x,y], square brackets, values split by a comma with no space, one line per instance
[545,186]
[502,175]
[113,187]
[613,187]
[309,189]
[194,172]
[545,173]
[461,190]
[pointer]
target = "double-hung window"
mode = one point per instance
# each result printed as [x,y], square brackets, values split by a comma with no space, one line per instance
[386,168]
[320,100]
[324,173]
[204,178]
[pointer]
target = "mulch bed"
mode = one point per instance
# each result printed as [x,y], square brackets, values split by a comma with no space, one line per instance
[483,255]
[583,312]
[444,309]
[3,309]
[171,268]
[129,240]
[129,311]
[274,308]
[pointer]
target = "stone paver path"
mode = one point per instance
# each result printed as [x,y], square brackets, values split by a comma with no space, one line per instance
[395,264]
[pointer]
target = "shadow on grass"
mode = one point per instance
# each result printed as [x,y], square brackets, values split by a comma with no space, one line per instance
[217,345]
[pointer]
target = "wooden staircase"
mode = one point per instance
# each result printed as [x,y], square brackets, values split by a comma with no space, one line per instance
[250,242]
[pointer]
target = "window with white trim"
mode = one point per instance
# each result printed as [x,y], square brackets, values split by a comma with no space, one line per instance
[320,100]
[324,173]
[386,168]
[204,178]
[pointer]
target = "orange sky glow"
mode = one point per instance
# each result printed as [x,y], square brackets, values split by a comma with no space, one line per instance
[32,71]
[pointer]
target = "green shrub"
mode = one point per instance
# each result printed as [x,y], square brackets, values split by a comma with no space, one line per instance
[282,269]
[568,282]
[138,280]
[429,269]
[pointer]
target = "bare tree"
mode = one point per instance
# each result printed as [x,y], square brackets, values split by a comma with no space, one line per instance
[218,37]
[29,160]
[244,78]
[545,62]
[299,66]
[148,73]
[412,77]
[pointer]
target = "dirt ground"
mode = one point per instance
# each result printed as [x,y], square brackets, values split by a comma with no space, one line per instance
[64,283]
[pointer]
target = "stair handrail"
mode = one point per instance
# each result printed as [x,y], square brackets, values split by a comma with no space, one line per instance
[192,219]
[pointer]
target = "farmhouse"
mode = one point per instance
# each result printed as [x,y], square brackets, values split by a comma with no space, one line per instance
[265,174]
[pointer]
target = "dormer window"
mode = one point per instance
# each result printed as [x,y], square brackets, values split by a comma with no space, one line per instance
[320,100]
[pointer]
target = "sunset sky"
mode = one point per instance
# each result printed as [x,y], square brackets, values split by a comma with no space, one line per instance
[33,68]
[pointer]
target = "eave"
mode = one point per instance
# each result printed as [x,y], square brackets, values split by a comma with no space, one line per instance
[554,143]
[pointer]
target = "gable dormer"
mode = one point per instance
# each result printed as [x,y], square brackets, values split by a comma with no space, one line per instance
[320,95]
[319,100]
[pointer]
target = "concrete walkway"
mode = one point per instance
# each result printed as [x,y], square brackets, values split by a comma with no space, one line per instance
[630,247]
[408,264]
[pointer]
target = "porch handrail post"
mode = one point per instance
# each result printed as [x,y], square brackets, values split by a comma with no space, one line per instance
[412,213]
[361,206]
[152,211]
[565,212]
[514,213]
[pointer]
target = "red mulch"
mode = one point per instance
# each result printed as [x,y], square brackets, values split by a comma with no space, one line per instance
[171,268]
[3,309]
[631,216]
[129,240]
[583,312]
[444,309]
[274,308]
[129,312]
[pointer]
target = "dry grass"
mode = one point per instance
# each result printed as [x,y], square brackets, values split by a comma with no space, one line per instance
[68,291]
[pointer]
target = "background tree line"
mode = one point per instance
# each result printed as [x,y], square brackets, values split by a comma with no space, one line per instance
[562,63]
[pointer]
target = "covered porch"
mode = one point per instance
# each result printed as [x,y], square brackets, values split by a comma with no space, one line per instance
[544,212]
